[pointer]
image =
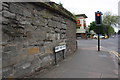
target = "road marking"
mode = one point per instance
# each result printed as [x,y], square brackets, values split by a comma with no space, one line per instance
[111,51]
[116,54]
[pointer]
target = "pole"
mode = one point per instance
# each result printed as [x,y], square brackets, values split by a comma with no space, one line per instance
[98,38]
[63,54]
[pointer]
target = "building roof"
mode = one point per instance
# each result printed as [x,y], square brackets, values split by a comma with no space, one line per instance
[78,15]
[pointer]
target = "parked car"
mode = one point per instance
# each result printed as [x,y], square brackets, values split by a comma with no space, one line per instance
[106,36]
[96,36]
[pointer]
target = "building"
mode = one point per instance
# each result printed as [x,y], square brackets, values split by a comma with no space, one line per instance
[81,26]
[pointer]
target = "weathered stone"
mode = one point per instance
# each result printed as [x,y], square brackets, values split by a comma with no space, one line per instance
[33,50]
[57,30]
[57,36]
[39,34]
[4,4]
[48,49]
[4,21]
[36,63]
[16,8]
[62,36]
[27,13]
[5,60]
[0,6]
[20,17]
[25,22]
[10,48]
[54,18]
[6,72]
[31,36]
[46,61]
[22,69]
[52,23]
[52,36]
[8,14]
[26,65]
[5,38]
[46,14]
[5,8]
[38,22]
[63,26]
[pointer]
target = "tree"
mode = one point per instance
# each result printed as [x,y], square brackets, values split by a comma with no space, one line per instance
[110,20]
[93,27]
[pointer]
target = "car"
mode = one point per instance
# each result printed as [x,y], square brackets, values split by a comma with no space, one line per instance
[106,37]
[96,36]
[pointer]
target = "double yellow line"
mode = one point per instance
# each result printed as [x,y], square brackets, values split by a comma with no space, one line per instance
[111,51]
[116,54]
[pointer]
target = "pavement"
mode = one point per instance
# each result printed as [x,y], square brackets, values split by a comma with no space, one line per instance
[86,62]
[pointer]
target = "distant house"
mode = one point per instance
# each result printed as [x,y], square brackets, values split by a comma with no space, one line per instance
[81,26]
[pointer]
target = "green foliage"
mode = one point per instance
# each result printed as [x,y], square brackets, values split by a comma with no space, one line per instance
[92,26]
[110,20]
[95,28]
[60,4]
[111,30]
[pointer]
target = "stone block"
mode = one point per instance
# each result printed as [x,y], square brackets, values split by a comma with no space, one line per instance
[46,14]
[38,21]
[29,27]
[52,24]
[36,63]
[48,49]
[0,6]
[5,38]
[27,13]
[46,61]
[7,14]
[57,30]
[5,8]
[59,25]
[5,21]
[52,37]
[33,50]
[25,22]
[63,26]
[20,17]
[22,69]
[26,65]
[39,34]
[16,8]
[7,71]
[10,58]
[5,4]
[57,36]
[10,48]
[54,18]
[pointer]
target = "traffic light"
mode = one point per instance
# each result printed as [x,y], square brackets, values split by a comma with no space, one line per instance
[98,18]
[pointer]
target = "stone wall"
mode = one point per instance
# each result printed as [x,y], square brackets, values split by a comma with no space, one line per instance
[30,31]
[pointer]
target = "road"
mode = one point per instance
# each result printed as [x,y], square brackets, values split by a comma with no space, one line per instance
[87,62]
[111,43]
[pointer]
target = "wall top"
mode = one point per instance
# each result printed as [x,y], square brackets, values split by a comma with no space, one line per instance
[57,8]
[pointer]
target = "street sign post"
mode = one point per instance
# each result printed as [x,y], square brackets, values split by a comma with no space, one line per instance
[98,21]
[57,49]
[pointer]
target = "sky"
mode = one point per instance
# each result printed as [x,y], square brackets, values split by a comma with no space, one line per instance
[89,7]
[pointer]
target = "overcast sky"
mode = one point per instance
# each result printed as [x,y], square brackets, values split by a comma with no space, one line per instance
[89,7]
